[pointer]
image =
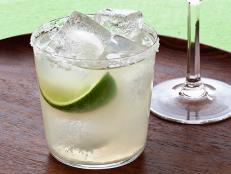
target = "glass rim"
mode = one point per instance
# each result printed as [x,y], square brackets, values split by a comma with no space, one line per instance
[41,29]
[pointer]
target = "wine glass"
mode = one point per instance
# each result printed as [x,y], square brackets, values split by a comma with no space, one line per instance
[192,100]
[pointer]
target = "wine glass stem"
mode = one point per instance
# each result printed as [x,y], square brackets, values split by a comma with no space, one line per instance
[193,88]
[193,49]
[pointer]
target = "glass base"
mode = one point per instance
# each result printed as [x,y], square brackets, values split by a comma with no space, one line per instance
[108,165]
[167,103]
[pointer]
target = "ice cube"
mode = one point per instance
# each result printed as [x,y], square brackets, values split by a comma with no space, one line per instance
[80,37]
[120,46]
[143,39]
[127,23]
[77,44]
[79,21]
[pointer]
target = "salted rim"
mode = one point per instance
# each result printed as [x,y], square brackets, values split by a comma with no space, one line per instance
[44,29]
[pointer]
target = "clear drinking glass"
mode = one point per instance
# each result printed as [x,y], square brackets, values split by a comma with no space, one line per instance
[106,126]
[192,100]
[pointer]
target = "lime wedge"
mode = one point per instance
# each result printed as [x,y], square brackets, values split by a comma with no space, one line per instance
[89,98]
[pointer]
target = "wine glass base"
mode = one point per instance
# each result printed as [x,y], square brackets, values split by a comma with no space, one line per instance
[169,105]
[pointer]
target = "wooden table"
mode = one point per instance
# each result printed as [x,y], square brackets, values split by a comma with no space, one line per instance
[171,148]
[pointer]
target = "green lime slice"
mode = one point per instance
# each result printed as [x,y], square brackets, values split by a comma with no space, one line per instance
[85,100]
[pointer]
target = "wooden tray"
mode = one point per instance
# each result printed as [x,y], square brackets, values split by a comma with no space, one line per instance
[171,148]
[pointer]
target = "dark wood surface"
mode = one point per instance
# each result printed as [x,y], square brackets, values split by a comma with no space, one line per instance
[171,148]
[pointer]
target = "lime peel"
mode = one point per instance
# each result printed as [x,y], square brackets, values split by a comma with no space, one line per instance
[97,95]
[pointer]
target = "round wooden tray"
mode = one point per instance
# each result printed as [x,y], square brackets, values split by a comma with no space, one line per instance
[171,148]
